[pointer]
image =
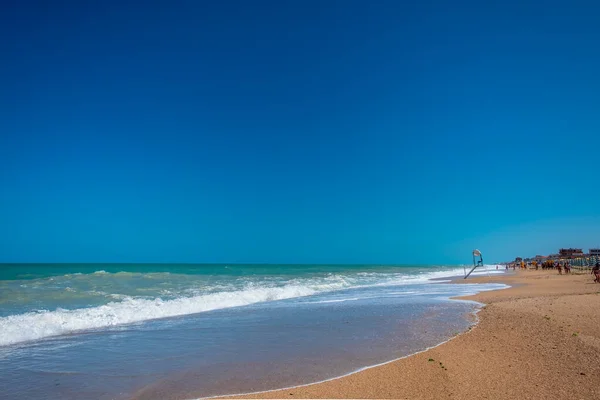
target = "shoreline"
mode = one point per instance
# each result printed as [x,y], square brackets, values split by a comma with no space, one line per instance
[470,315]
[430,373]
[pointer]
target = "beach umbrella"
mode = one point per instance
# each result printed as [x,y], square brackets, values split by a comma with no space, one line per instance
[476,263]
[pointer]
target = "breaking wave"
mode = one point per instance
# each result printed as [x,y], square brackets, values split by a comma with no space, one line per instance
[41,324]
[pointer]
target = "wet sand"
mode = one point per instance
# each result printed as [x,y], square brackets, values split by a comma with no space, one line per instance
[540,339]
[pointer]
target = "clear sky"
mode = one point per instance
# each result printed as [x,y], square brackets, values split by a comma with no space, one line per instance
[298,131]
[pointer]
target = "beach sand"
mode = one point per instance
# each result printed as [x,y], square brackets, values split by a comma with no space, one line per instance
[540,339]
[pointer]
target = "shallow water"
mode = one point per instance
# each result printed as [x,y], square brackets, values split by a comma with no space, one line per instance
[251,332]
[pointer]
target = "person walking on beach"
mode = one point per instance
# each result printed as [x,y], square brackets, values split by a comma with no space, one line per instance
[596,272]
[559,267]
[567,268]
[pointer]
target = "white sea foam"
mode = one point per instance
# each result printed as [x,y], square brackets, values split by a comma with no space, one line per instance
[333,301]
[37,325]
[126,310]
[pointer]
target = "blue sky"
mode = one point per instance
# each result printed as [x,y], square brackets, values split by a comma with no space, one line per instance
[298,131]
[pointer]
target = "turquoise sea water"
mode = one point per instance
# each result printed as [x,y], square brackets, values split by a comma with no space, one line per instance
[140,330]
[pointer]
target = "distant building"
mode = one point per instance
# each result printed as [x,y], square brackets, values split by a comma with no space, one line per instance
[570,253]
[595,252]
[539,258]
[518,259]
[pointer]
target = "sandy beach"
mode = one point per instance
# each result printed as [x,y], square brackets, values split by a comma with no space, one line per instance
[539,339]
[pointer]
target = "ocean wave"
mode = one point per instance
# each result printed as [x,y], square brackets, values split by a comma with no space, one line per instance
[38,325]
[125,309]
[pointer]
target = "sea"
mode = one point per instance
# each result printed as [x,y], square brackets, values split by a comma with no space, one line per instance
[187,331]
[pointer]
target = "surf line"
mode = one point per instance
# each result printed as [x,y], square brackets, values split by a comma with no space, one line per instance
[471,327]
